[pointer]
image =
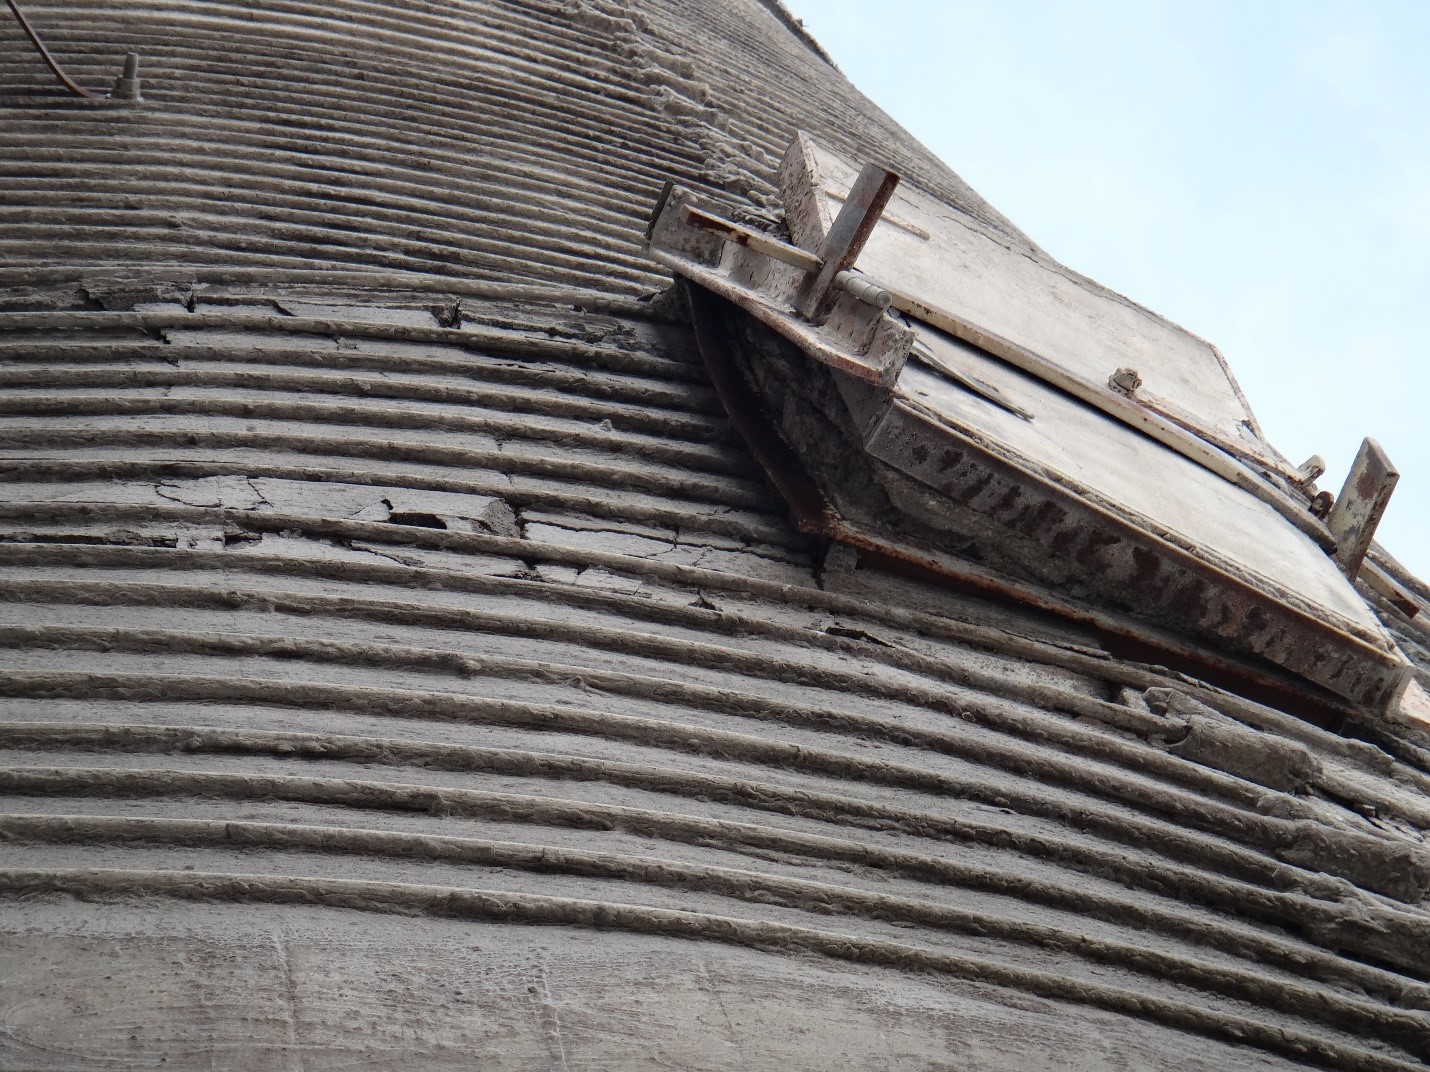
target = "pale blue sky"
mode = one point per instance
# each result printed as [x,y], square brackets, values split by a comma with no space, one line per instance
[1258,172]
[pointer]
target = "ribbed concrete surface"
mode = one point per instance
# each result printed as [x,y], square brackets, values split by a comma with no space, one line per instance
[405,667]
[514,142]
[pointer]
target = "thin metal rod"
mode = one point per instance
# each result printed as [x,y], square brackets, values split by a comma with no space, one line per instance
[69,83]
[783,252]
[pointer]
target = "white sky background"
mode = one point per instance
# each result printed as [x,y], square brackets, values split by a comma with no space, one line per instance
[1258,172]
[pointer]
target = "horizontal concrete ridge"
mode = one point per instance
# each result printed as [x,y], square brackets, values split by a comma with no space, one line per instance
[403,663]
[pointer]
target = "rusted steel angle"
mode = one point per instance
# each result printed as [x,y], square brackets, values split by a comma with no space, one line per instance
[59,72]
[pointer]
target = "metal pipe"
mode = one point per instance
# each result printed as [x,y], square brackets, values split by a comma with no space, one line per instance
[862,288]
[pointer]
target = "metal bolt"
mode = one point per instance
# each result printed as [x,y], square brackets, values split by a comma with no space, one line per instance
[126,86]
[1125,379]
[863,289]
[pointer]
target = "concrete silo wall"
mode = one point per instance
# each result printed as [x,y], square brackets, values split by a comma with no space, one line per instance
[405,665]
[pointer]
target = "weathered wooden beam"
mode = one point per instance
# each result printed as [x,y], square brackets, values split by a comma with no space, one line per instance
[842,245]
[1361,504]
[1384,585]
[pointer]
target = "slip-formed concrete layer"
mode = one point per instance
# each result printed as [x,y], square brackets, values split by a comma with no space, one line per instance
[404,666]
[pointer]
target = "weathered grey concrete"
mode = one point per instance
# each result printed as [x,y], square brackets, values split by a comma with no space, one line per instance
[405,665]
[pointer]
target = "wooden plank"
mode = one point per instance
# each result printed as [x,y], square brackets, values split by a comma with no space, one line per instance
[1361,504]
[939,256]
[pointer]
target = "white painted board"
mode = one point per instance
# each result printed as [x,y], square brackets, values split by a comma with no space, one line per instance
[1162,491]
[933,252]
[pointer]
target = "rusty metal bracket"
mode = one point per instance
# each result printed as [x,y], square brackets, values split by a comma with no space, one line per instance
[841,247]
[859,335]
[126,86]
[1361,504]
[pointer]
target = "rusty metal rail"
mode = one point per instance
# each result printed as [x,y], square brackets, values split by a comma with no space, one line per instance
[59,72]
